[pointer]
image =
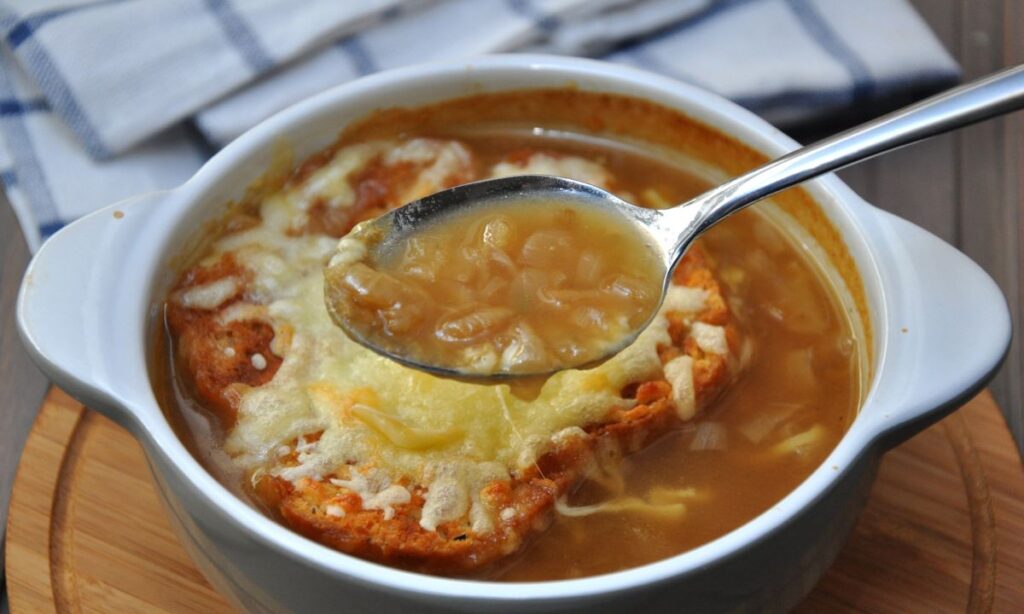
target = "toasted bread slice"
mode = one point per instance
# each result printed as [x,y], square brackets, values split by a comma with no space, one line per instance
[224,345]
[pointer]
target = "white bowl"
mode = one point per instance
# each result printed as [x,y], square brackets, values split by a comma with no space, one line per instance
[940,329]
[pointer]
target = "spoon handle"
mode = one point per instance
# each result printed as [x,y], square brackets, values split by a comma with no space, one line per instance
[993,95]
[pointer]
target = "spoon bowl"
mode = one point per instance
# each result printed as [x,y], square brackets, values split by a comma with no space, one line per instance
[655,229]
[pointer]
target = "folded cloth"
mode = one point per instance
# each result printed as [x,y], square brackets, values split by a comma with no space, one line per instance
[103,99]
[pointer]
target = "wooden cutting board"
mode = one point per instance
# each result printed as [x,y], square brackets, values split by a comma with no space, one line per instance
[943,530]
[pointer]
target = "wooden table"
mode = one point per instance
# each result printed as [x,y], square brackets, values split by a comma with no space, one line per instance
[968,188]
[22,386]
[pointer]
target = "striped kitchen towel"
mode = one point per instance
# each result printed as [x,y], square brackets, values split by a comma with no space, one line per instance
[104,99]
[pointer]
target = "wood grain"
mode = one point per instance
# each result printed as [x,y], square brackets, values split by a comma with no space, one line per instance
[22,386]
[968,187]
[943,530]
[88,532]
[990,209]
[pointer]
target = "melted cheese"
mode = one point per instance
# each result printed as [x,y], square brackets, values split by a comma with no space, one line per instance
[413,428]
[419,419]
[211,295]
[710,338]
[572,167]
[240,311]
[330,183]
[376,491]
[679,373]
[685,299]
[441,161]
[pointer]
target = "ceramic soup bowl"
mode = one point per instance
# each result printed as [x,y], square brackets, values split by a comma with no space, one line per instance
[939,328]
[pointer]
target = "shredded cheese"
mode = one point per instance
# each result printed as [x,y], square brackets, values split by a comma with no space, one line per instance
[376,491]
[624,504]
[241,311]
[450,437]
[402,434]
[541,163]
[349,250]
[798,444]
[679,373]
[211,295]
[685,299]
[710,338]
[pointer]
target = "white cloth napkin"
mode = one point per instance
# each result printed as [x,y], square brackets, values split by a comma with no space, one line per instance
[104,99]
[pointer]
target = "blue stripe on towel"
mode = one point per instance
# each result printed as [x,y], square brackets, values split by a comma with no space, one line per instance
[712,10]
[19,30]
[543,22]
[641,55]
[824,100]
[9,178]
[45,230]
[639,49]
[392,12]
[12,106]
[759,104]
[819,29]
[56,89]
[19,35]
[358,55]
[241,35]
[30,176]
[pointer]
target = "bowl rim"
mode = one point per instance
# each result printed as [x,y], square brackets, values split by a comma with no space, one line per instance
[716,112]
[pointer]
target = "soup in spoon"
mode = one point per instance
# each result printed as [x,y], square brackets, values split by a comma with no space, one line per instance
[517,288]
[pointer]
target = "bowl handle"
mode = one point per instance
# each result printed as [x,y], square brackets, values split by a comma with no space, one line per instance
[69,309]
[949,331]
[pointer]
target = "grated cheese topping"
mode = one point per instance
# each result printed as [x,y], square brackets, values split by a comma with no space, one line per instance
[381,424]
[710,338]
[241,311]
[541,163]
[376,491]
[679,373]
[210,296]
[685,299]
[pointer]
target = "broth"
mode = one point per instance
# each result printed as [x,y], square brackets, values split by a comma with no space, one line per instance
[801,382]
[769,429]
[517,287]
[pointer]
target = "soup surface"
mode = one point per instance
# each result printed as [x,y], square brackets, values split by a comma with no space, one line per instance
[736,391]
[517,287]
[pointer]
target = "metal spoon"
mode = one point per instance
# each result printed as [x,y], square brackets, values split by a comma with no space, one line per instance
[672,231]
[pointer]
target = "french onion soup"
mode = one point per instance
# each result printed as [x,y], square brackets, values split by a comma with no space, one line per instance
[735,392]
[515,287]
